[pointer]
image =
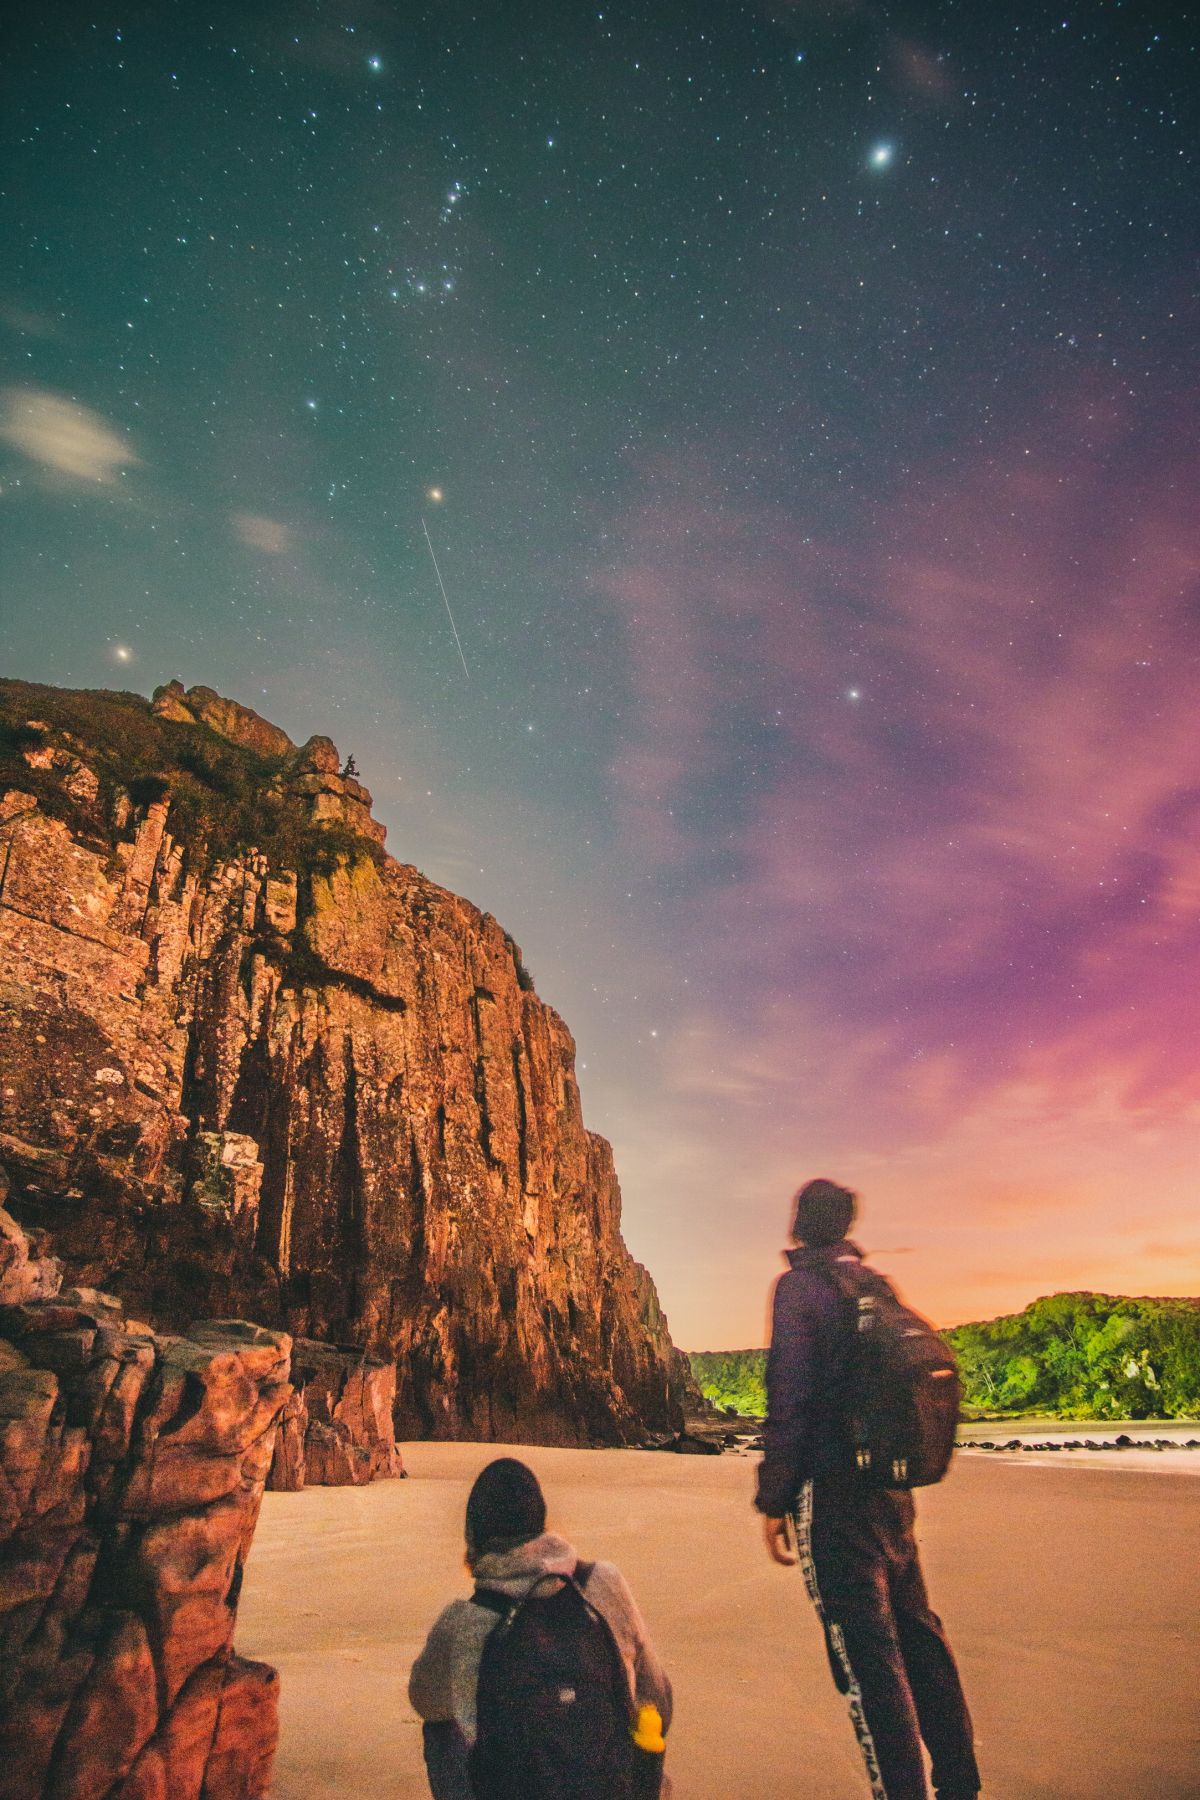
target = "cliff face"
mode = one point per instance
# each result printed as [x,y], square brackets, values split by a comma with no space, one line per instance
[251,1064]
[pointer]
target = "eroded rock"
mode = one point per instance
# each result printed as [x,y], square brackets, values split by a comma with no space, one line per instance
[337,1430]
[131,1472]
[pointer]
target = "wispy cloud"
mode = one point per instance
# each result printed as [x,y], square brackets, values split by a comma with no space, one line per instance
[268,535]
[25,322]
[938,802]
[64,438]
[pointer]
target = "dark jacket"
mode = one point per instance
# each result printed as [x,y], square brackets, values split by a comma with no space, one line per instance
[811,1334]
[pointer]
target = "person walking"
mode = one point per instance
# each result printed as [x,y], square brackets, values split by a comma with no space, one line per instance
[545,1682]
[888,1651]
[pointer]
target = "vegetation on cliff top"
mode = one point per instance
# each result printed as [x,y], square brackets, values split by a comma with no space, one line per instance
[1070,1356]
[224,797]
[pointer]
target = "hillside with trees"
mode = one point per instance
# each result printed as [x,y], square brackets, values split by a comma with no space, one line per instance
[1085,1356]
[1070,1356]
[735,1378]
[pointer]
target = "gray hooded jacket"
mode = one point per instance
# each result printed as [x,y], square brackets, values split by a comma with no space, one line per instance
[444,1677]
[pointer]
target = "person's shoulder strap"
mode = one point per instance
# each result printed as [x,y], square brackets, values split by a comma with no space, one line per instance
[583,1573]
[857,1279]
[504,1605]
[493,1602]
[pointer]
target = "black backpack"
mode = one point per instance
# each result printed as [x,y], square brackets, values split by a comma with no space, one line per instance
[902,1392]
[552,1706]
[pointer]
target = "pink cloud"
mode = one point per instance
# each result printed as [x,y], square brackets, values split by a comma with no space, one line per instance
[995,851]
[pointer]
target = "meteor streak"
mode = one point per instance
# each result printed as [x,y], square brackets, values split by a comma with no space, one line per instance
[446,599]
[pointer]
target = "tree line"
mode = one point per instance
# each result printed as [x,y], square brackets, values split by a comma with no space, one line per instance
[1070,1356]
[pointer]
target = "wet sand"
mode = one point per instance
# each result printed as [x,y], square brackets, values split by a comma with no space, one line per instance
[1072,1595]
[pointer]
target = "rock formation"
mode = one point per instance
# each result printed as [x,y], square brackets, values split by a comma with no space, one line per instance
[250,1064]
[131,1471]
[337,1429]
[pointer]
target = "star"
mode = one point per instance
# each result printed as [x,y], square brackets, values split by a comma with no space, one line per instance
[882,156]
[435,493]
[122,653]
[375,64]
[854,693]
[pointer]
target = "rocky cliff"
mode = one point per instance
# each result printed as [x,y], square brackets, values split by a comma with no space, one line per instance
[251,1064]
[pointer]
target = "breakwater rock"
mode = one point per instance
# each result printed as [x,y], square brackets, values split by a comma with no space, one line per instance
[1122,1441]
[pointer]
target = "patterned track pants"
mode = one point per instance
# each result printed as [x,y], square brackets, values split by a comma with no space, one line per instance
[888,1651]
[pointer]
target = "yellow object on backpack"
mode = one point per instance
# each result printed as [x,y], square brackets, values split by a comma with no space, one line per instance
[648,1732]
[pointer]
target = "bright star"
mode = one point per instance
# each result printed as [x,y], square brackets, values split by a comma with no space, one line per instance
[311,405]
[882,156]
[122,653]
[375,64]
[434,493]
[854,693]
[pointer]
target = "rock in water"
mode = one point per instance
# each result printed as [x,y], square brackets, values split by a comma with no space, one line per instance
[253,1065]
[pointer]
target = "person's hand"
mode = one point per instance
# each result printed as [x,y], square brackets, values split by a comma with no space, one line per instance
[778,1538]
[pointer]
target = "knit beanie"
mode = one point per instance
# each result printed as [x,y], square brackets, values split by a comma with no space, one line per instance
[506,1506]
[824,1212]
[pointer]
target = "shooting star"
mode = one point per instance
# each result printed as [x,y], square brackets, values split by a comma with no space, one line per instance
[446,599]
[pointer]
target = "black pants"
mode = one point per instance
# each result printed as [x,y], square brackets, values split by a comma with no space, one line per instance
[887,1649]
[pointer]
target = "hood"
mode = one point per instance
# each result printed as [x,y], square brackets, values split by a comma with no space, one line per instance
[512,1572]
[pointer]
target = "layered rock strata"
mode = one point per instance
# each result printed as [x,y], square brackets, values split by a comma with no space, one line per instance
[314,1089]
[131,1471]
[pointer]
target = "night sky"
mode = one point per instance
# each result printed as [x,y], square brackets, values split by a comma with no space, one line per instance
[800,402]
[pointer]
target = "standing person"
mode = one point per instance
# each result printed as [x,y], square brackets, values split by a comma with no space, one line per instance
[888,1651]
[545,1682]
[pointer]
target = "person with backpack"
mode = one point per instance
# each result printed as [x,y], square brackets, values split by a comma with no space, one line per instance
[544,1685]
[862,1406]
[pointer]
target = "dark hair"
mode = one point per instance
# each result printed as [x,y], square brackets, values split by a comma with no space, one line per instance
[506,1506]
[824,1212]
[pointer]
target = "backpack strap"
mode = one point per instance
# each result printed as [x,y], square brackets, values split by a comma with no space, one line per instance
[856,1280]
[506,1607]
[493,1602]
[582,1574]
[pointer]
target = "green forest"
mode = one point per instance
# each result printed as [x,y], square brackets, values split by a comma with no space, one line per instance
[1070,1356]
[735,1378]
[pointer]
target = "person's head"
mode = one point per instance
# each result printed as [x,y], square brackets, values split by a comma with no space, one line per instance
[506,1507]
[824,1212]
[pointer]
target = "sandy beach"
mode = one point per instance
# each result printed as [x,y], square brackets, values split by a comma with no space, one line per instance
[1071,1592]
